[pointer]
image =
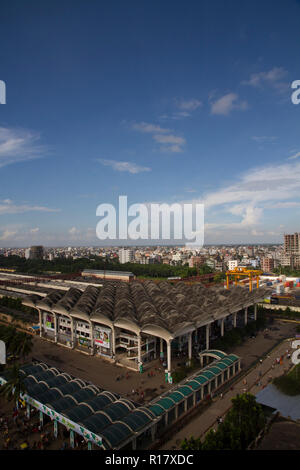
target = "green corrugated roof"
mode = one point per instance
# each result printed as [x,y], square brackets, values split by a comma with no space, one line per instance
[221,364]
[209,374]
[136,420]
[165,402]
[201,379]
[214,370]
[156,409]
[233,357]
[194,384]
[186,391]
[116,434]
[176,397]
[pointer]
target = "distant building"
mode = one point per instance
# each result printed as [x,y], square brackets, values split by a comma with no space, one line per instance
[126,256]
[233,263]
[286,260]
[267,264]
[36,252]
[292,244]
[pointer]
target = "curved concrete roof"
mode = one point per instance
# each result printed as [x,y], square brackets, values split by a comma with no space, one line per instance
[160,309]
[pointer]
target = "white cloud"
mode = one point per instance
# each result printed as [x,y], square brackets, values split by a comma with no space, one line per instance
[7,235]
[169,139]
[293,157]
[264,139]
[169,142]
[272,78]
[189,105]
[17,145]
[259,190]
[149,128]
[227,103]
[8,207]
[124,166]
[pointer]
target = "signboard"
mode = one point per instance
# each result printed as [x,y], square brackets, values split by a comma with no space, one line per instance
[102,337]
[49,322]
[63,420]
[94,438]
[2,353]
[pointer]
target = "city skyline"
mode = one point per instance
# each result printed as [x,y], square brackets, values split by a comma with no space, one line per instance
[162,102]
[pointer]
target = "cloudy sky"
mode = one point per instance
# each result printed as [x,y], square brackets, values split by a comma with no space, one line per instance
[162,101]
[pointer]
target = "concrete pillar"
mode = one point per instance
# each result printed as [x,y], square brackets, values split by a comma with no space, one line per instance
[194,399]
[246,315]
[155,344]
[40,322]
[92,338]
[113,341]
[234,315]
[207,335]
[139,350]
[73,324]
[190,345]
[201,361]
[222,327]
[161,350]
[185,405]
[255,311]
[202,392]
[166,419]
[55,328]
[72,444]
[169,356]
[176,412]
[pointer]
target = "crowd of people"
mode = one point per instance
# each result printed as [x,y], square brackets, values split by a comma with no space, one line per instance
[19,432]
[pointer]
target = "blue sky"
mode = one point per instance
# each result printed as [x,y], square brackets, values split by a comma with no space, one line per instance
[162,101]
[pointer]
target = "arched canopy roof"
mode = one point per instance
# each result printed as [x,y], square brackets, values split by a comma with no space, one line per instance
[159,309]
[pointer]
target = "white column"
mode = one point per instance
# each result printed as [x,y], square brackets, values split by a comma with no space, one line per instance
[72,333]
[246,315]
[169,356]
[255,311]
[234,319]
[222,327]
[40,322]
[113,341]
[155,344]
[92,338]
[161,350]
[207,335]
[190,345]
[55,328]
[139,350]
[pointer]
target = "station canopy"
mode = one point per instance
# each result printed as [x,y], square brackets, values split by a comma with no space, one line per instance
[160,309]
[106,414]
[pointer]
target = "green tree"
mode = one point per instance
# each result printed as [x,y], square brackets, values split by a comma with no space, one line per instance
[14,386]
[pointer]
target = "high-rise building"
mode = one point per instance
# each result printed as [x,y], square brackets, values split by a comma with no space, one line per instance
[126,256]
[36,252]
[292,244]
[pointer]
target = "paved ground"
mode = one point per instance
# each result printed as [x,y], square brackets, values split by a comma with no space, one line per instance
[101,372]
[249,351]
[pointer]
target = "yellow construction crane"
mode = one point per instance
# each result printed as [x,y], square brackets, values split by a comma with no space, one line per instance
[240,272]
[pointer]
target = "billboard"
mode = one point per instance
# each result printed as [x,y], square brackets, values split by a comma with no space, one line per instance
[102,337]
